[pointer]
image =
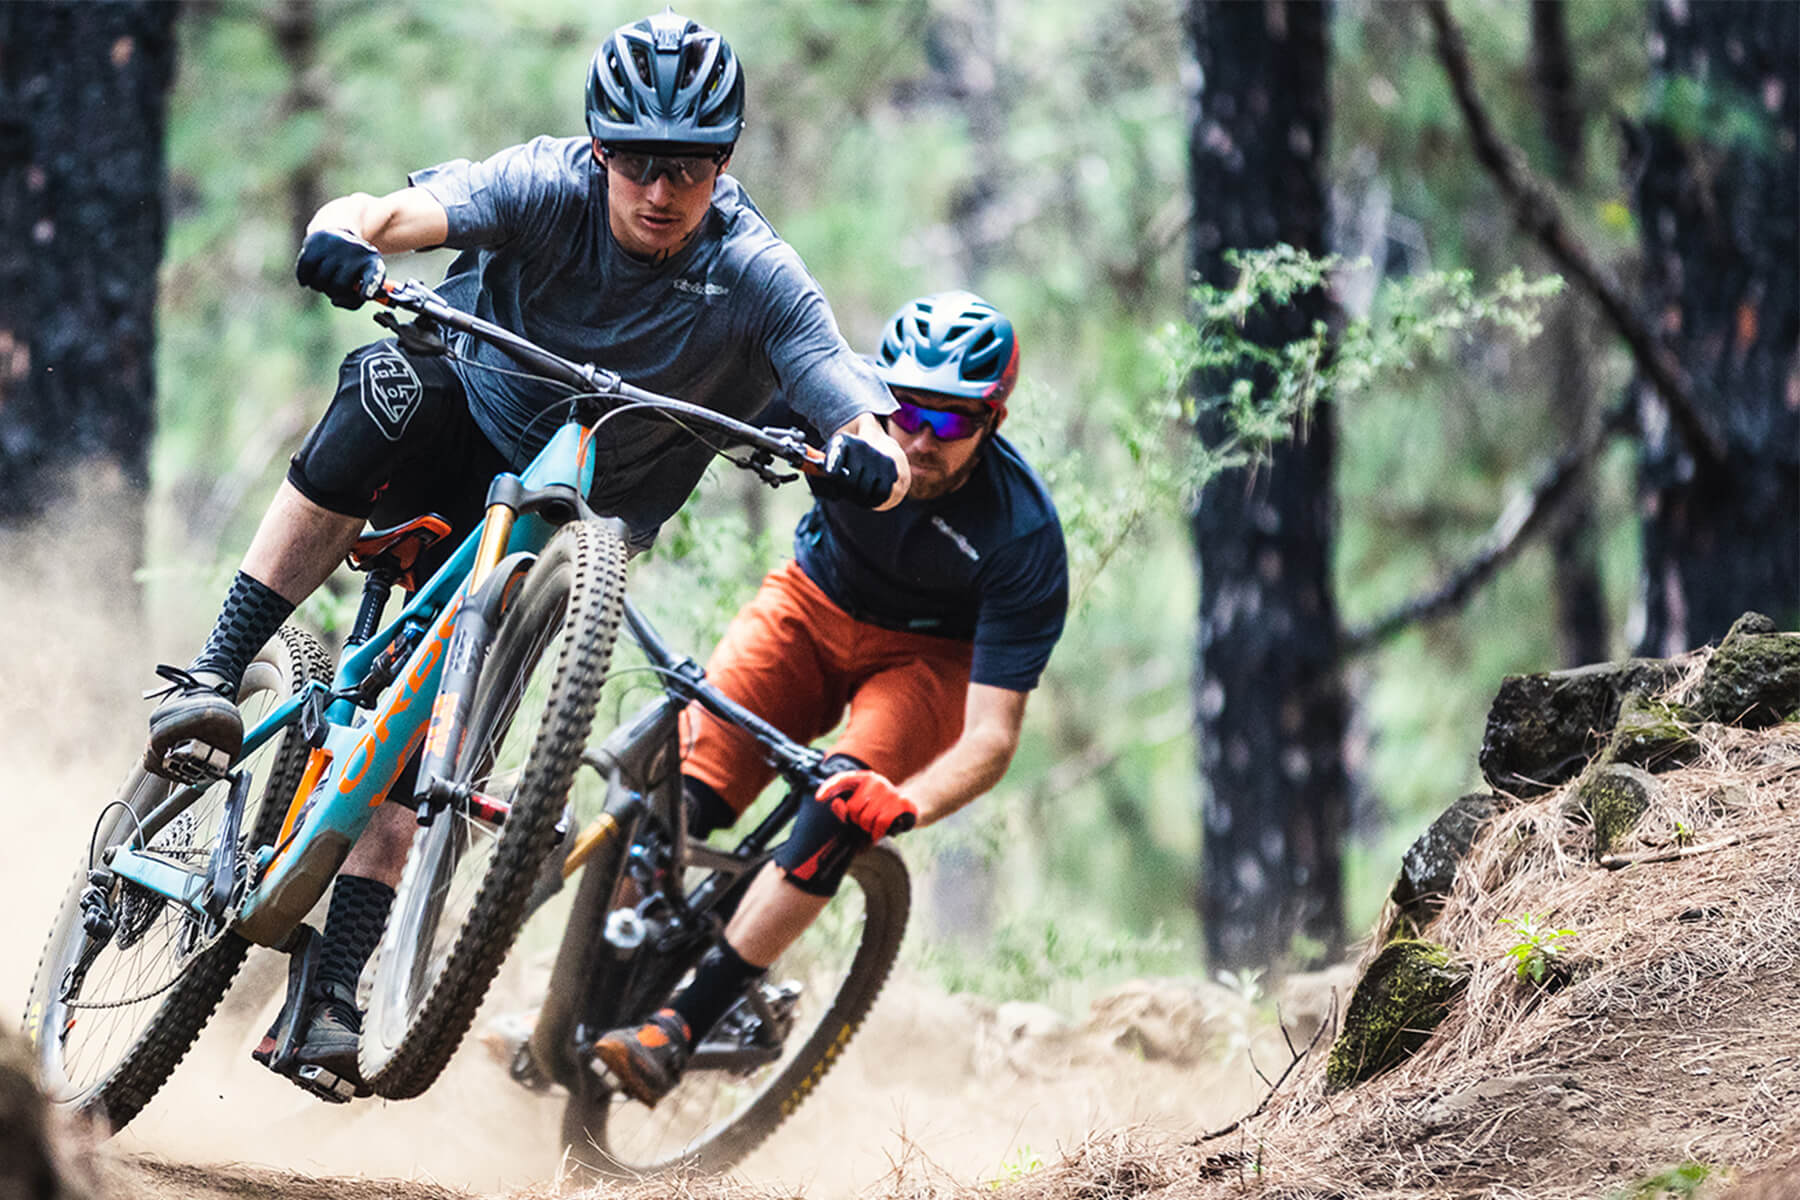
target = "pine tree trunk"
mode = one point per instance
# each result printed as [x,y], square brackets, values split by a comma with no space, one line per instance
[1715,205]
[83,90]
[1581,620]
[1269,702]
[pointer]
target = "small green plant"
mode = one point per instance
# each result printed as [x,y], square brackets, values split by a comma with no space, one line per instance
[1538,947]
[1017,1165]
[1684,833]
[1677,1182]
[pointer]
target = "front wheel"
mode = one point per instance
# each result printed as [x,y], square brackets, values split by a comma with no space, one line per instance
[820,991]
[106,1037]
[462,896]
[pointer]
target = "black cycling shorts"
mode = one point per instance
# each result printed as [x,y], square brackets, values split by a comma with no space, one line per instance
[397,441]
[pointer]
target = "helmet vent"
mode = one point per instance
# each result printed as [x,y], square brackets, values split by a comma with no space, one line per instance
[640,60]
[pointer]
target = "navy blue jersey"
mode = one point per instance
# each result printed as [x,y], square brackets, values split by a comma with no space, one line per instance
[983,564]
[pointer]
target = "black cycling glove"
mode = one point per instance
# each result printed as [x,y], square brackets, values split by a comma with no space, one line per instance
[340,264]
[855,471]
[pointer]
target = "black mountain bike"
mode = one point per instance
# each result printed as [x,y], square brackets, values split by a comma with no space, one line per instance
[650,901]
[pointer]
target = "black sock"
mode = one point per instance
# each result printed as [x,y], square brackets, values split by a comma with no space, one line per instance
[358,914]
[251,614]
[722,979]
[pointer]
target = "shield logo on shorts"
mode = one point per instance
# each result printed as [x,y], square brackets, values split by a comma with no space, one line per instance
[390,393]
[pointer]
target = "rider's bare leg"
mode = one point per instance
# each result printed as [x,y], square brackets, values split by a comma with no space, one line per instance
[298,544]
[772,915]
[197,729]
[381,851]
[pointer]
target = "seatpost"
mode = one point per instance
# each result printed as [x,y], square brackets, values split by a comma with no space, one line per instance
[376,589]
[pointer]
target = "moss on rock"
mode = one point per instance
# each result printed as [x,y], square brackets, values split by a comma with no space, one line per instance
[1400,999]
[1652,735]
[1753,678]
[1542,730]
[1615,798]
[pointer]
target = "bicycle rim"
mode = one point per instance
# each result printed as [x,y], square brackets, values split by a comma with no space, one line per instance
[714,1117]
[152,986]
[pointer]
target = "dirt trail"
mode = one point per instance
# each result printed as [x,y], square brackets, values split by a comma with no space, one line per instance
[929,1074]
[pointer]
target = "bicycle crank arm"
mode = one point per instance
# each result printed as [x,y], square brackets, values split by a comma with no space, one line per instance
[223,871]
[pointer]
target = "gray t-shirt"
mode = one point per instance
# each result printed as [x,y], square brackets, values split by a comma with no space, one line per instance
[723,323]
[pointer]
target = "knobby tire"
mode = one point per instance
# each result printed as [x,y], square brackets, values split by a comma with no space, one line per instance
[881,875]
[423,999]
[291,660]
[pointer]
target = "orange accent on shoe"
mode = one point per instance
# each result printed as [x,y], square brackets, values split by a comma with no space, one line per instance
[652,1036]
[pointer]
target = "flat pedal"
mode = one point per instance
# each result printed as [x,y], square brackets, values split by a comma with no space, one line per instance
[193,762]
[324,1084]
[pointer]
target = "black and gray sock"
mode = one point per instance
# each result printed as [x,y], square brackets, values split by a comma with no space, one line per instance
[251,614]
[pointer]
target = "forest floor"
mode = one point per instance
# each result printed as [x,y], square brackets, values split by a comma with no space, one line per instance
[1672,1054]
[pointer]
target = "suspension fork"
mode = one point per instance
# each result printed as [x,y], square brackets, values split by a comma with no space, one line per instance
[469,645]
[586,979]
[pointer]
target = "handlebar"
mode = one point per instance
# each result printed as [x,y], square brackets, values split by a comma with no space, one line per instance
[787,445]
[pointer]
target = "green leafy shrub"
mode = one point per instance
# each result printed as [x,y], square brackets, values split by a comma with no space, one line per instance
[1539,950]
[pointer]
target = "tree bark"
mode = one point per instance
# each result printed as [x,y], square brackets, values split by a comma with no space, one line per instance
[1269,702]
[1574,543]
[83,93]
[1715,207]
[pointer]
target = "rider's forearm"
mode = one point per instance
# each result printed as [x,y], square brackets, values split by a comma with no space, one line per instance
[867,427]
[975,763]
[409,219]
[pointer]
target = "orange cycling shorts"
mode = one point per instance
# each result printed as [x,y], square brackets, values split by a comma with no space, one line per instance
[797,660]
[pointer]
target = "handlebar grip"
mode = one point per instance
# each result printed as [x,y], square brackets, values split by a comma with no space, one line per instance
[902,823]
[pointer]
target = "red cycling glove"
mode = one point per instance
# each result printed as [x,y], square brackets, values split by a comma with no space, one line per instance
[868,800]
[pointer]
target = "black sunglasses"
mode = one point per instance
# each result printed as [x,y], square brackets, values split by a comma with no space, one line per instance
[683,170]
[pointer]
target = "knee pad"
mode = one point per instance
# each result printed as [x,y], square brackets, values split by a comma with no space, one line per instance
[819,848]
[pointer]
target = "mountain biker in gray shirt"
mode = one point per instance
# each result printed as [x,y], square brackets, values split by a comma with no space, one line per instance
[630,248]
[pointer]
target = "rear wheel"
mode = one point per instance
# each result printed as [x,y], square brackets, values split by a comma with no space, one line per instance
[152,984]
[820,990]
[463,895]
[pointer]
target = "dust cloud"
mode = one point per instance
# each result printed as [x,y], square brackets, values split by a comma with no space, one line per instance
[929,1074]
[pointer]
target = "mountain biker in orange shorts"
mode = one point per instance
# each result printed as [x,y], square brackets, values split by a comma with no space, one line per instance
[630,248]
[930,621]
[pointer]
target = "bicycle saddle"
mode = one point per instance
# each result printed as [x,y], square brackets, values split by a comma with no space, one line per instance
[398,548]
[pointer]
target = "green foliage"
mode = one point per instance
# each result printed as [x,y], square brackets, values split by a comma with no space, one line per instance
[1709,112]
[907,146]
[1021,1162]
[1064,961]
[1675,1183]
[1538,949]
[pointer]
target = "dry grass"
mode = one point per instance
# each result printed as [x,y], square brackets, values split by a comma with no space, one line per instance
[1680,969]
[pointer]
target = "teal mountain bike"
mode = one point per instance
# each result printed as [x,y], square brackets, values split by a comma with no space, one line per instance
[473,705]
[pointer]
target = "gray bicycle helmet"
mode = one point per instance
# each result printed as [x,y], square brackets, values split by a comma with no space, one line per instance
[953,343]
[665,79]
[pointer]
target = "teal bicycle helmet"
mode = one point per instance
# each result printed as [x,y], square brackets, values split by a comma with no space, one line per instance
[953,343]
[665,80]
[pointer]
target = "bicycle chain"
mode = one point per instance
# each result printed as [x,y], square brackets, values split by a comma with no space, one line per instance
[209,943]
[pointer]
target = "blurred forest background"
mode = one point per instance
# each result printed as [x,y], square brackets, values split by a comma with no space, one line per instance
[1074,162]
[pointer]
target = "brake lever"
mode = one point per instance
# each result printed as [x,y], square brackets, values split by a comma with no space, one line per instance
[761,463]
[420,337]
